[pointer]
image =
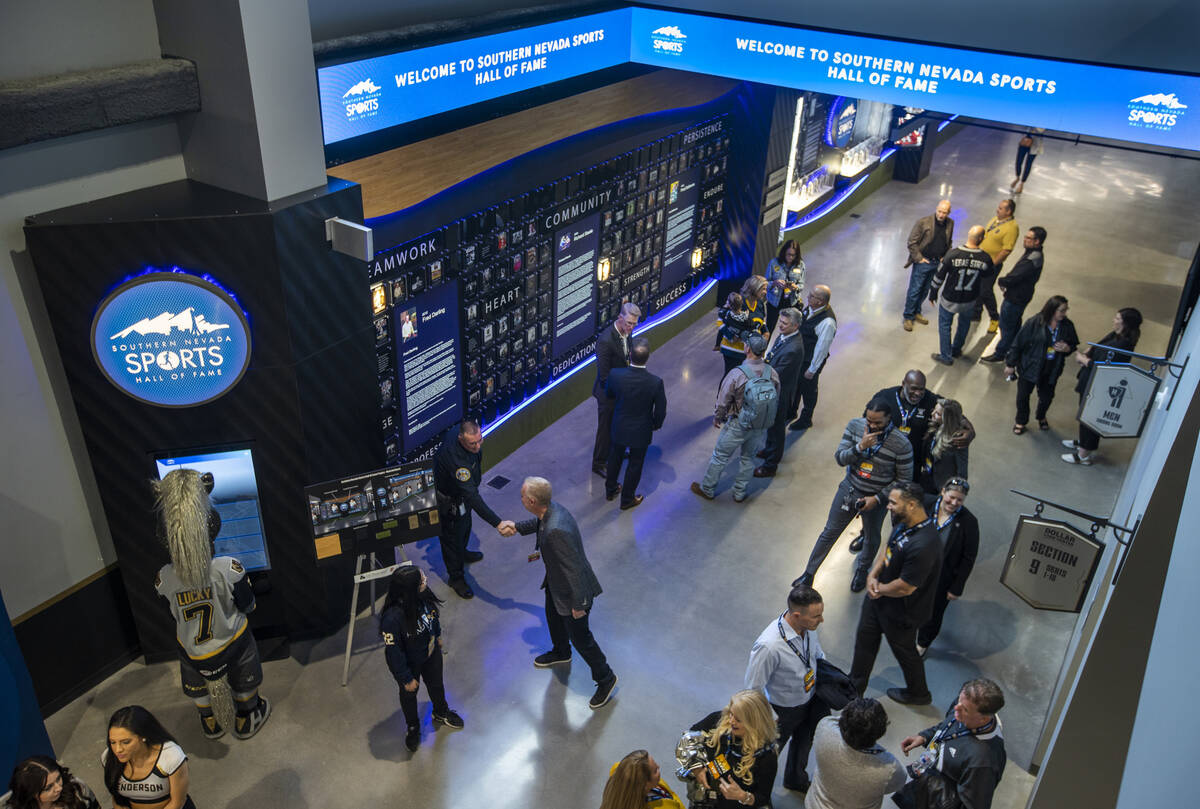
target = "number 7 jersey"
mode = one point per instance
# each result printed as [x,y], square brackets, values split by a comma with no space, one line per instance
[208,620]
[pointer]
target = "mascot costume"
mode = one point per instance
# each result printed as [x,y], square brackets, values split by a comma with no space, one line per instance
[209,598]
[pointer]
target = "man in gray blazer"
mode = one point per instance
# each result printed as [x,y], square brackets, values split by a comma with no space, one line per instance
[570,586]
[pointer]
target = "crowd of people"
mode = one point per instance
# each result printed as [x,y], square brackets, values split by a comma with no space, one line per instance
[906,455]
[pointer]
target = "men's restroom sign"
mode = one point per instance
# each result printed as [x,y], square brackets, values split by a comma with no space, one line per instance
[1118,399]
[171,339]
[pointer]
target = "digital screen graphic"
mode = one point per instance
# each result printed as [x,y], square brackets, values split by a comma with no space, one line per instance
[235,498]
[371,497]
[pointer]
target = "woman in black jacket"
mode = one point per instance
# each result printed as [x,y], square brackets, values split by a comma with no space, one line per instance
[1127,328]
[412,645]
[742,739]
[959,532]
[1036,357]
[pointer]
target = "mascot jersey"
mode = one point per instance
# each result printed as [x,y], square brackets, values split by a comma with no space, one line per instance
[208,620]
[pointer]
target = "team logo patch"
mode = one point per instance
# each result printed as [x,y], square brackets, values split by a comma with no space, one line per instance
[237,566]
[462,473]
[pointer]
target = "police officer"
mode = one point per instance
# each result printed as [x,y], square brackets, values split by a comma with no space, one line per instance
[457,467]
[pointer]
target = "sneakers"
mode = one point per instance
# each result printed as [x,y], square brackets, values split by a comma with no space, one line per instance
[993,326]
[920,318]
[698,489]
[246,725]
[210,726]
[1076,459]
[460,586]
[450,719]
[1070,443]
[902,696]
[551,658]
[907,324]
[603,693]
[943,360]
[412,739]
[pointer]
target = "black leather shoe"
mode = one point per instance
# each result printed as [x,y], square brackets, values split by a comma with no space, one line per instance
[610,496]
[461,587]
[634,503]
[804,579]
[902,696]
[764,472]
[859,582]
[412,739]
[472,556]
[856,544]
[602,471]
[697,489]
[992,358]
[801,787]
[800,424]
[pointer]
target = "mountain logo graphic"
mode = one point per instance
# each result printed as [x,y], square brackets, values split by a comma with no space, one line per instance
[564,242]
[185,321]
[1168,100]
[670,31]
[364,86]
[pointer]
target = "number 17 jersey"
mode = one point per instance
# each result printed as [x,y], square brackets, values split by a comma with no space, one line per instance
[209,619]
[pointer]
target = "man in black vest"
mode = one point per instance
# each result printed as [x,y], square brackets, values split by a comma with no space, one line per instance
[818,325]
[640,407]
[612,351]
[786,356]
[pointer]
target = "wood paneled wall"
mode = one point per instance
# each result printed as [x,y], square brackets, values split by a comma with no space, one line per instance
[402,177]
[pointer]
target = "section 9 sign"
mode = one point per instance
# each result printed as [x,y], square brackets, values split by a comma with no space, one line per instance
[1050,564]
[171,339]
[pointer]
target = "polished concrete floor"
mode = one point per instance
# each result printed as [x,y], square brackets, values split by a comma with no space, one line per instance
[689,584]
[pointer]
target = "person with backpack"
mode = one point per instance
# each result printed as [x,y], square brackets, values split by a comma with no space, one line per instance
[876,456]
[746,406]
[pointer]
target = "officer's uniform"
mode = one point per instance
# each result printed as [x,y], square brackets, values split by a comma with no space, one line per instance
[456,473]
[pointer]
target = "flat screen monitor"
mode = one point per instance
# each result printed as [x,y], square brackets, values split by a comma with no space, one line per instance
[235,497]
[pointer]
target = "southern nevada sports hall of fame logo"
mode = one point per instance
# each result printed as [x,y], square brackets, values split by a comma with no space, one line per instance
[668,40]
[362,100]
[171,339]
[1156,111]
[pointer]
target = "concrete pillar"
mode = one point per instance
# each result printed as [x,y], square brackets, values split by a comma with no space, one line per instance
[258,131]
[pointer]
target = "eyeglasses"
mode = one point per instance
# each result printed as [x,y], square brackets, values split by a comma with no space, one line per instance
[958,483]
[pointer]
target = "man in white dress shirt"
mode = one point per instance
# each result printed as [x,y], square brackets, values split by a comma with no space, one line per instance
[817,328]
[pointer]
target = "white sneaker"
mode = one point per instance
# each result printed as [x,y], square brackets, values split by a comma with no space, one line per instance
[1076,459]
[1070,443]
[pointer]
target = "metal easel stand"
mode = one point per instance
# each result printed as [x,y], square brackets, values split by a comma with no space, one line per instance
[373,572]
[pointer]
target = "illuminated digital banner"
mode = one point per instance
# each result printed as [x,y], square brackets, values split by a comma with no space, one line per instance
[1132,105]
[361,97]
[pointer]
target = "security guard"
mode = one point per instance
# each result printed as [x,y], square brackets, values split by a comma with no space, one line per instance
[457,467]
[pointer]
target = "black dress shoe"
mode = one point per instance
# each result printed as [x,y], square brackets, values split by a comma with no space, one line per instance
[602,471]
[801,787]
[856,544]
[412,739]
[461,587]
[636,501]
[764,472]
[803,579]
[859,582]
[902,696]
[762,453]
[992,358]
[470,557]
[698,489]
[800,424]
[610,496]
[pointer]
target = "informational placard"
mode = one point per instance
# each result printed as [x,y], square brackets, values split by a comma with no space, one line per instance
[1118,399]
[1133,105]
[575,283]
[430,388]
[682,194]
[361,97]
[1050,564]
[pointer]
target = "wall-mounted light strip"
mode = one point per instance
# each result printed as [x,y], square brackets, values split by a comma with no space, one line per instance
[946,122]
[658,320]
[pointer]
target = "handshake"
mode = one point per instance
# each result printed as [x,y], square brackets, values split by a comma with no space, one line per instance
[507,528]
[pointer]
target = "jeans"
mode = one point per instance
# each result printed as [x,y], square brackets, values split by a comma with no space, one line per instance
[633,472]
[841,513]
[796,727]
[1045,393]
[431,672]
[1010,324]
[948,348]
[918,287]
[1023,156]
[878,620]
[733,438]
[567,631]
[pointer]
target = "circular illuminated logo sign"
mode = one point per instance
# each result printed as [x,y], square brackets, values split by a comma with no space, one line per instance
[171,339]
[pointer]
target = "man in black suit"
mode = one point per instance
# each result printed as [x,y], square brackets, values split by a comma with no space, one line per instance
[640,406]
[612,351]
[571,586]
[786,356]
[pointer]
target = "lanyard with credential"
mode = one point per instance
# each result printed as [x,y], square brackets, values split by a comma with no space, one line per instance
[905,415]
[899,537]
[804,656]
[870,451]
[937,509]
[943,736]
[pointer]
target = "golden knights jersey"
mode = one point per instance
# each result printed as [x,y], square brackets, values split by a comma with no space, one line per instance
[208,620]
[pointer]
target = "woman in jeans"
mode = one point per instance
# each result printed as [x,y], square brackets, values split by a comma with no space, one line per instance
[785,280]
[1036,358]
[1127,328]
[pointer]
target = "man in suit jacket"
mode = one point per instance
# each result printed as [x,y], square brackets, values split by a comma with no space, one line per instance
[959,532]
[612,351]
[640,406]
[570,585]
[786,356]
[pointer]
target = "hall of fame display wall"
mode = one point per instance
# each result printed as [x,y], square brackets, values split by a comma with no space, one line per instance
[474,317]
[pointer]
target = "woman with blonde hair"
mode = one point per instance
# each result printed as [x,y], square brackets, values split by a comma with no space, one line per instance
[635,782]
[740,746]
[940,458]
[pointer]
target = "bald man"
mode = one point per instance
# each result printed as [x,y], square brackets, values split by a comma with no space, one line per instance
[817,329]
[928,242]
[959,282]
